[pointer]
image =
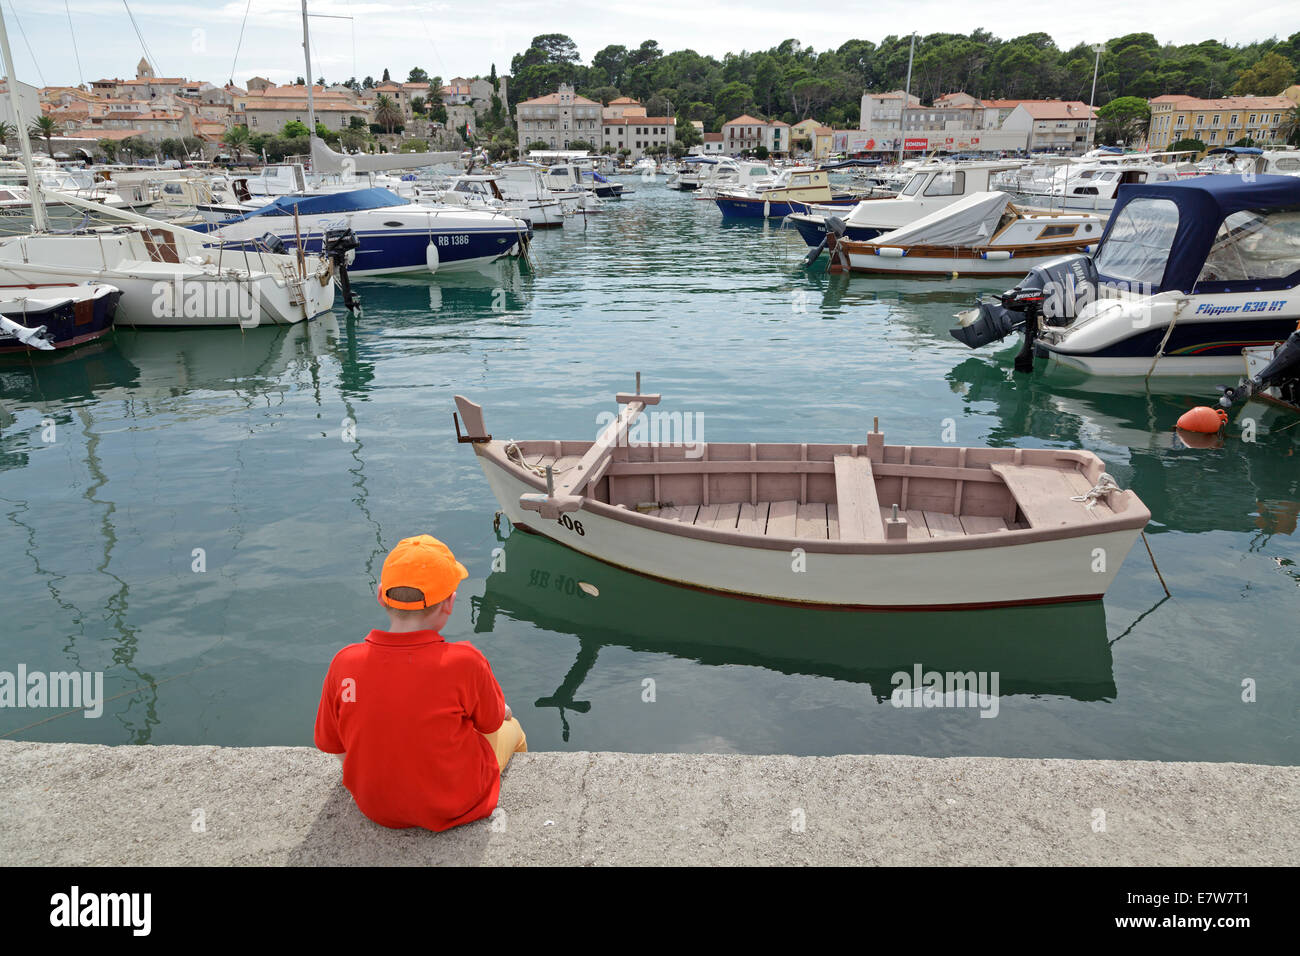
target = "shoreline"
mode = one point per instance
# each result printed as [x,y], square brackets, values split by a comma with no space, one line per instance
[87,805]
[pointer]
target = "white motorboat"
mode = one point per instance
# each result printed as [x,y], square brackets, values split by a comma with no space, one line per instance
[982,234]
[932,186]
[396,235]
[1186,276]
[483,191]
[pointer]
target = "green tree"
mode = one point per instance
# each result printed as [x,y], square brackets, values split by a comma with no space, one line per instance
[1183,145]
[1271,74]
[44,127]
[109,148]
[293,129]
[417,75]
[1288,128]
[687,134]
[1123,119]
[734,99]
[387,113]
[582,144]
[6,130]
[537,144]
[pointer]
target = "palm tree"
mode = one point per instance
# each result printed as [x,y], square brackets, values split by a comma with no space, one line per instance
[236,138]
[387,113]
[45,128]
[6,130]
[1289,128]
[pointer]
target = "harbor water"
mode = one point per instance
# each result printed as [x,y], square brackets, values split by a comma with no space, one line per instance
[202,515]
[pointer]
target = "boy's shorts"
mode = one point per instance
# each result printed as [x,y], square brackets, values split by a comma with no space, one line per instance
[507,741]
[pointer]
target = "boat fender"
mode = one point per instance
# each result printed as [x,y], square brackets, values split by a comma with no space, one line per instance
[431,257]
[1203,419]
[767,208]
[890,252]
[997,255]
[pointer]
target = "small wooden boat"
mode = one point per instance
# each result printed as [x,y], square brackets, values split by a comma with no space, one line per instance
[55,315]
[851,525]
[981,234]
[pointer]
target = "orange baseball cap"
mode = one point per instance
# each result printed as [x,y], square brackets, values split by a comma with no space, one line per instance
[425,564]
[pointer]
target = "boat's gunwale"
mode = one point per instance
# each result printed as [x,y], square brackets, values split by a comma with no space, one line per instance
[1134,516]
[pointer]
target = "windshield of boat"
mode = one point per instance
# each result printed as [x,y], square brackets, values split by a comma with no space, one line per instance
[947,183]
[1137,247]
[914,184]
[1254,244]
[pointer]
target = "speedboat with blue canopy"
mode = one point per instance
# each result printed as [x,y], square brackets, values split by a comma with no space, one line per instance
[395,235]
[1187,275]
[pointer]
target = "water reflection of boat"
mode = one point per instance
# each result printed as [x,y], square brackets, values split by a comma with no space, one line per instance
[1238,484]
[1061,650]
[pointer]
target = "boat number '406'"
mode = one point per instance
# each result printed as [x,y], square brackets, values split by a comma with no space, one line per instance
[453,240]
[571,524]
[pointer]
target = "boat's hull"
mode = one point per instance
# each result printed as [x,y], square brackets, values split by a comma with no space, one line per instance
[813,230]
[745,207]
[1015,265]
[67,325]
[1046,571]
[1207,338]
[463,241]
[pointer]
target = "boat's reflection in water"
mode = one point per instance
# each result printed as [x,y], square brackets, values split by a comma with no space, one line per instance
[1058,650]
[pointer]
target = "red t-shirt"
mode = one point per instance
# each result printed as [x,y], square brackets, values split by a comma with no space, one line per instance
[410,711]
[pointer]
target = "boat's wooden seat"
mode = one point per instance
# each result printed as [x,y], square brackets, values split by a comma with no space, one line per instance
[1044,494]
[857,505]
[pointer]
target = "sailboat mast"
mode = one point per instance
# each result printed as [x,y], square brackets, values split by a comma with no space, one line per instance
[306,52]
[39,219]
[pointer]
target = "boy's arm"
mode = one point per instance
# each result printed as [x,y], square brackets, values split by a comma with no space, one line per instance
[488,710]
[327,718]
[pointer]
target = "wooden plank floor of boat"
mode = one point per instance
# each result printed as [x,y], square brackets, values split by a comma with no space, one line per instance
[789,519]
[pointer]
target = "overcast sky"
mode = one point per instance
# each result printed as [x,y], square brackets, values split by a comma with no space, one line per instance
[198,40]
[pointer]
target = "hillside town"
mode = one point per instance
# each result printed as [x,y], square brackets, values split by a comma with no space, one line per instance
[157,119]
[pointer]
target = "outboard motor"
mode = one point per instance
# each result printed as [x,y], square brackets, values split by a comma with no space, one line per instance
[835,229]
[1282,373]
[338,244]
[1052,294]
[273,243]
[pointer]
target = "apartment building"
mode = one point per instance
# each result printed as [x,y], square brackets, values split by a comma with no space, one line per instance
[1058,126]
[1219,122]
[558,119]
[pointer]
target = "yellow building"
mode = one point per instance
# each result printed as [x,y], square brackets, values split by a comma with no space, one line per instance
[1215,122]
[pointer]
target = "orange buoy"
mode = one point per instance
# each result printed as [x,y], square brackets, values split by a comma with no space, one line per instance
[1203,419]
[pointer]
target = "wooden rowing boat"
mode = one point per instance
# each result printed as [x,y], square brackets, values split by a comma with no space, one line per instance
[864,526]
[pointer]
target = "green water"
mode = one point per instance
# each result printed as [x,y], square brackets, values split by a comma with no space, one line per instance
[241,444]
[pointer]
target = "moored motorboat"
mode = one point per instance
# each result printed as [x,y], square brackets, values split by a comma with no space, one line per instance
[982,234]
[850,525]
[55,315]
[795,189]
[1186,276]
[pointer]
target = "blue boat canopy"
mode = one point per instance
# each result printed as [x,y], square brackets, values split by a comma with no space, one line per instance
[1161,234]
[1237,150]
[354,200]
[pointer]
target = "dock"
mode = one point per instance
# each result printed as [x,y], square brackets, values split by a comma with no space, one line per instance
[80,805]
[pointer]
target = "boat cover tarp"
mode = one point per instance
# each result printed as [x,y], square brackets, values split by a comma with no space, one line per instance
[846,163]
[1202,202]
[970,221]
[354,200]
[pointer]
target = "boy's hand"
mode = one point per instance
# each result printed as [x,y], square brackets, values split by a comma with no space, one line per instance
[509,714]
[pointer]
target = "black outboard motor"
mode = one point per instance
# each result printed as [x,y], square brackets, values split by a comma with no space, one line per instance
[336,244]
[273,243]
[1282,373]
[1052,293]
[835,229]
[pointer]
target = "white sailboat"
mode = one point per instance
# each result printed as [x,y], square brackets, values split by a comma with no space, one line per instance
[167,276]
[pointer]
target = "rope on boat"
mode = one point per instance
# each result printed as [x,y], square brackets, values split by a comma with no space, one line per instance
[1104,486]
[515,453]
